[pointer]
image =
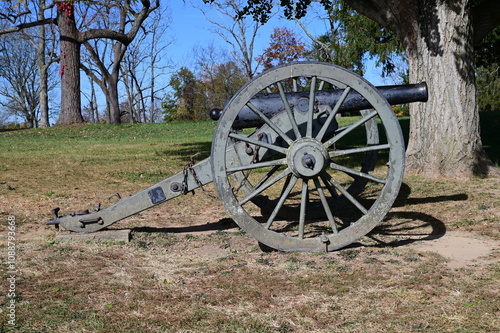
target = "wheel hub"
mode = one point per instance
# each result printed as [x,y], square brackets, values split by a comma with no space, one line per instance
[307,158]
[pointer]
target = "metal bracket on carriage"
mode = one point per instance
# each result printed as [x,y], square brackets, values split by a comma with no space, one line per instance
[97,207]
[55,212]
[84,222]
[55,221]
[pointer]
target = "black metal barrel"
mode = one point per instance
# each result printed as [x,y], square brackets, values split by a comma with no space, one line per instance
[271,104]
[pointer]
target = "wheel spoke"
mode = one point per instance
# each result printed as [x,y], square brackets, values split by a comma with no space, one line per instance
[356,173]
[288,110]
[325,176]
[284,195]
[269,123]
[287,181]
[265,186]
[251,166]
[341,129]
[350,128]
[330,118]
[312,101]
[268,175]
[349,151]
[303,205]
[257,142]
[325,204]
[348,196]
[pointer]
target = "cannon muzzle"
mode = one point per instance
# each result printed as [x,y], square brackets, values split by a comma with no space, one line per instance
[270,103]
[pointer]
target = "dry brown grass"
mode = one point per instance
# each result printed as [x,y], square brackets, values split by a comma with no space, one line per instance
[188,268]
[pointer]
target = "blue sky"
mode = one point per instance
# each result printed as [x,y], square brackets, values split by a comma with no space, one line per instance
[190,29]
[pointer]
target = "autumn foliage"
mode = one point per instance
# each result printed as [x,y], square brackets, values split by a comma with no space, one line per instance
[283,48]
[67,8]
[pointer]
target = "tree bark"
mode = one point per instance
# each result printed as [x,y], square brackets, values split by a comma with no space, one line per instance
[70,68]
[44,96]
[113,100]
[42,72]
[438,38]
[444,133]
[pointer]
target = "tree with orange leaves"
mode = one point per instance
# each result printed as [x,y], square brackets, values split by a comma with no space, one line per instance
[284,47]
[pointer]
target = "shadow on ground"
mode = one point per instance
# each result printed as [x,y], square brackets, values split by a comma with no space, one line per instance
[399,228]
[223,224]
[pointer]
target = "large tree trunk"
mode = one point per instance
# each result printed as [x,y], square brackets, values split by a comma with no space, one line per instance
[70,67]
[444,133]
[438,39]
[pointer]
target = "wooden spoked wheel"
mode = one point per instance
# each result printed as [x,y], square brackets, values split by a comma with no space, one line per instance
[314,175]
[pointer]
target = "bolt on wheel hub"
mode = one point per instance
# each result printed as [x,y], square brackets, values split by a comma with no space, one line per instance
[307,158]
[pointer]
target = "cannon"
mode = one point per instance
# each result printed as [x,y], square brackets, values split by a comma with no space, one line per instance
[290,169]
[270,103]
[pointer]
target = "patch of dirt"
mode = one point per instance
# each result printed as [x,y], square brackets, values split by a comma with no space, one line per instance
[461,249]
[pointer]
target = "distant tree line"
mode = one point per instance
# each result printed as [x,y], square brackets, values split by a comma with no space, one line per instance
[194,95]
[219,77]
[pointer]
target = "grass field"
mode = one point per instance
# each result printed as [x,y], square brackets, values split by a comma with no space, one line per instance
[188,268]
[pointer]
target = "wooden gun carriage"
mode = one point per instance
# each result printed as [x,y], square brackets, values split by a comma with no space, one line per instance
[289,171]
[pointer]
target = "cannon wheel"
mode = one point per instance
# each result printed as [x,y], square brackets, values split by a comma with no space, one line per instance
[306,168]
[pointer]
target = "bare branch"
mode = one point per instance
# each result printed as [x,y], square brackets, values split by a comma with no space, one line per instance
[324,46]
[237,33]
[22,26]
[125,38]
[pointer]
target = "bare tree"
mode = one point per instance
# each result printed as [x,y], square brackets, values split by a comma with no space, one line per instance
[219,74]
[19,83]
[135,99]
[72,36]
[156,51]
[239,33]
[90,113]
[44,42]
[114,16]
[145,65]
[45,58]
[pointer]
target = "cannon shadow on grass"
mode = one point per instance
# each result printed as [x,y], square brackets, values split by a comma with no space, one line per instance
[401,228]
[223,224]
[408,221]
[200,149]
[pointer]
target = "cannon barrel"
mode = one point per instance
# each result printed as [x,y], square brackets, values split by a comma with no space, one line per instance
[271,104]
